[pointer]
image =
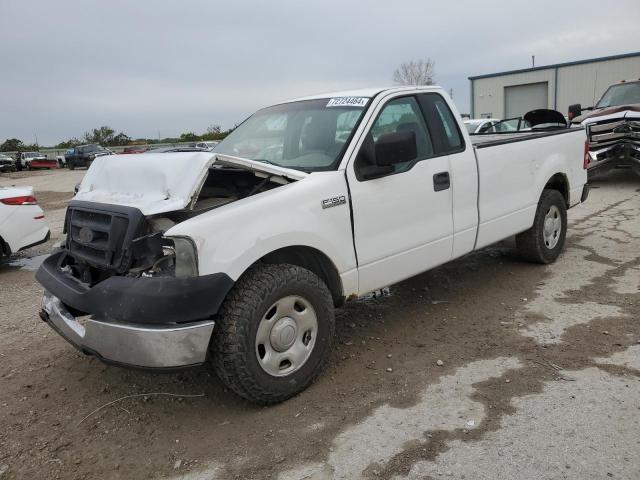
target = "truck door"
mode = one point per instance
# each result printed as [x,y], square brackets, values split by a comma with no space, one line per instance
[402,213]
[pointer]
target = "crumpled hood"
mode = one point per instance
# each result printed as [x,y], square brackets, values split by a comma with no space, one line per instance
[161,182]
[610,112]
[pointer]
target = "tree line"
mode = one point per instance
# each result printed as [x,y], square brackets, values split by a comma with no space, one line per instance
[107,137]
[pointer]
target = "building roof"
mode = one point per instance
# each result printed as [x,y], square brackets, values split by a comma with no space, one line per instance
[558,65]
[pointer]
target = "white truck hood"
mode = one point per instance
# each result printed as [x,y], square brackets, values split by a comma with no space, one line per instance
[161,182]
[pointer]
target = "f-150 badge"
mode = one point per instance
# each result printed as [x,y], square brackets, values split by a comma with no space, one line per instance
[334,202]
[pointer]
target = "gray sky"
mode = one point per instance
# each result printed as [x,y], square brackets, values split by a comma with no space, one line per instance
[150,66]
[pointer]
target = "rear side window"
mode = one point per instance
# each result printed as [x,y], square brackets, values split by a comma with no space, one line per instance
[443,124]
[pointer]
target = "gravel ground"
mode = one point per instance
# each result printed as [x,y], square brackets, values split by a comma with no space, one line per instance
[485,368]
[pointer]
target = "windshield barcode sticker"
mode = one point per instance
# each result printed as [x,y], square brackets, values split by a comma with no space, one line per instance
[347,102]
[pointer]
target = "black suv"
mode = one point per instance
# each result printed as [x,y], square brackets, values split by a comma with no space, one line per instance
[83,155]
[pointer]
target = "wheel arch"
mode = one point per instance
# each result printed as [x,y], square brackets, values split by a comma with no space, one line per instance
[5,249]
[559,182]
[313,260]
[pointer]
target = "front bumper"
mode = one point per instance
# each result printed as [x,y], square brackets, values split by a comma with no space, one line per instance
[622,154]
[150,301]
[130,344]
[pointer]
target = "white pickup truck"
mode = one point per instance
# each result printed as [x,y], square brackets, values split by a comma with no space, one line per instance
[239,256]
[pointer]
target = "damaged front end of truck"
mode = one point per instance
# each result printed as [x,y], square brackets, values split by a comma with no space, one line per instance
[121,286]
[613,128]
[614,139]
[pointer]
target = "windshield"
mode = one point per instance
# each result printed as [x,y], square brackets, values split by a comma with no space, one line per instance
[306,135]
[621,94]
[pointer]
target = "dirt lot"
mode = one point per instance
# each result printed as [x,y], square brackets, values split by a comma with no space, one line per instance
[540,376]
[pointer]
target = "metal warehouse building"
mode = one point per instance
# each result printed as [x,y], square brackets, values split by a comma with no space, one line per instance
[512,94]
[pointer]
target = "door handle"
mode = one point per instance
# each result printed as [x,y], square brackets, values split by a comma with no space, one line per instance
[441,181]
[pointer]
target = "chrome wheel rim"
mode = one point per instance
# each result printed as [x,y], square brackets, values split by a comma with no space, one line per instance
[286,336]
[552,227]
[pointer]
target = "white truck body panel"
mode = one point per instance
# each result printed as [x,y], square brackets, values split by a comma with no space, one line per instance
[21,225]
[230,239]
[512,179]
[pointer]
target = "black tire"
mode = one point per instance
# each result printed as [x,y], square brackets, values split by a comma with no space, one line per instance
[71,164]
[531,244]
[233,346]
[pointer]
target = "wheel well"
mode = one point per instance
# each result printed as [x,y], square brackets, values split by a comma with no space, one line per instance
[5,250]
[560,183]
[314,261]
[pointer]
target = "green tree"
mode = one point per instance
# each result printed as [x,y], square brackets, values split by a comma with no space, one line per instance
[102,135]
[72,142]
[120,139]
[12,145]
[189,137]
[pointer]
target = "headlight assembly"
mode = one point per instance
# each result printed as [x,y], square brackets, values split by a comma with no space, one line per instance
[186,257]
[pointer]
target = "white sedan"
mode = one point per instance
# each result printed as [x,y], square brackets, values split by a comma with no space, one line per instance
[480,125]
[22,223]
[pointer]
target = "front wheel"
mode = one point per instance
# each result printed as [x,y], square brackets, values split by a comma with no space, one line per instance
[274,334]
[544,241]
[71,164]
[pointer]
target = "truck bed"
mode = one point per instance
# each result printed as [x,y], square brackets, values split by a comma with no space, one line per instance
[510,175]
[482,140]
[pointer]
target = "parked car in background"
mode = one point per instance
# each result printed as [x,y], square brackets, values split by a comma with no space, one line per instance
[7,164]
[134,149]
[84,155]
[238,260]
[207,145]
[33,160]
[22,223]
[613,128]
[62,159]
[541,119]
[479,125]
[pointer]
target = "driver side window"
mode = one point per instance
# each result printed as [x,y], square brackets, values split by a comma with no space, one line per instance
[397,116]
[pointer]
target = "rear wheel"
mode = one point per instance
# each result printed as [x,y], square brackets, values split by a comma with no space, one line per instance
[274,334]
[544,241]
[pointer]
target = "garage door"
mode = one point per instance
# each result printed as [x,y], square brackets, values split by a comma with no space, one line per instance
[519,99]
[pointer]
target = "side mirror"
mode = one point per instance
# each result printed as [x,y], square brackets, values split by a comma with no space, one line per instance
[397,147]
[377,159]
[575,110]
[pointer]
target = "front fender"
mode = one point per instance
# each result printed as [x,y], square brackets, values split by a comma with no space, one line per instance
[231,238]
